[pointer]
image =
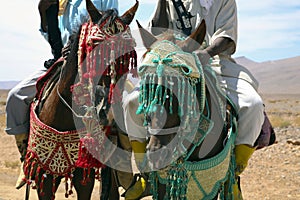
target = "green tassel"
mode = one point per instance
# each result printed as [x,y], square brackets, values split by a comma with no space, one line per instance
[140,109]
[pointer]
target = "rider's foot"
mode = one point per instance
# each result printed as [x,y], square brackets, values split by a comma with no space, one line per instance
[243,153]
[135,191]
[21,179]
[49,63]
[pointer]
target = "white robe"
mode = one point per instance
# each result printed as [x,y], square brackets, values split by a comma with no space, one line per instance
[238,83]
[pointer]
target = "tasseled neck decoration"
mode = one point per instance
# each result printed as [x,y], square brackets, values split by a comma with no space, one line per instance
[105,50]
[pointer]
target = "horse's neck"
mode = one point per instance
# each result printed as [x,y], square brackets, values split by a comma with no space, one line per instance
[55,110]
[69,69]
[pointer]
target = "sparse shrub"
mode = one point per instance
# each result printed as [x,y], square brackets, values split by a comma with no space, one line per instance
[273,101]
[2,120]
[297,121]
[279,121]
[12,164]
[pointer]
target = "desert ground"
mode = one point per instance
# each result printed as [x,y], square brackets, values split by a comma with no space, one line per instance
[273,172]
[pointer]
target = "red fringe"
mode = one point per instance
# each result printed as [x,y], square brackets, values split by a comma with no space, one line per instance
[85,158]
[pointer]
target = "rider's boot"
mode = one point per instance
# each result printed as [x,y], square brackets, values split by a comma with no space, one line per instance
[139,186]
[243,153]
[22,142]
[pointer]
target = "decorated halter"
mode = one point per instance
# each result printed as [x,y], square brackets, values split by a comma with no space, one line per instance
[164,63]
[104,50]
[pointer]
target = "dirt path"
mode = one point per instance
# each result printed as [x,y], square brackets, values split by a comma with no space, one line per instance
[273,173]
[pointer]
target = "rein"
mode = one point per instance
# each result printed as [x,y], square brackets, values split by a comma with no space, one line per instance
[165,131]
[65,102]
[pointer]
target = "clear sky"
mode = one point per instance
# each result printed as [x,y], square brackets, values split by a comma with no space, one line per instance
[268,30]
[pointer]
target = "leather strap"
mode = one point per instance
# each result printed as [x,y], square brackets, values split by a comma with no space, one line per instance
[184,17]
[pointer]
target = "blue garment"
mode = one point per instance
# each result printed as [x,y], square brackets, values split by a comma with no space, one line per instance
[20,97]
[75,14]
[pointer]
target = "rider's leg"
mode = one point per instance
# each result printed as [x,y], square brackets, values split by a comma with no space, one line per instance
[243,153]
[139,150]
[54,34]
[55,40]
[250,119]
[17,115]
[137,135]
[22,142]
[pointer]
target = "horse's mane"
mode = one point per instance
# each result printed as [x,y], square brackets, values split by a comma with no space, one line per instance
[110,13]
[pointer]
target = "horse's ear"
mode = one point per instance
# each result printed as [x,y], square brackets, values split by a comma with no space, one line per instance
[128,16]
[195,40]
[93,11]
[147,37]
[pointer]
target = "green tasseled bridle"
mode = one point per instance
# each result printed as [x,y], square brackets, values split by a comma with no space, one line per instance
[164,63]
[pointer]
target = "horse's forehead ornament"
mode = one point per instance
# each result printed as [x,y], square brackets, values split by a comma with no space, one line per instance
[105,33]
[168,59]
[164,64]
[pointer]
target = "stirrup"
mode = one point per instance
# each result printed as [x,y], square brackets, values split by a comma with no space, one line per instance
[136,188]
[49,63]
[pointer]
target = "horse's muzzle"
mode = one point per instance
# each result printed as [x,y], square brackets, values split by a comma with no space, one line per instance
[160,158]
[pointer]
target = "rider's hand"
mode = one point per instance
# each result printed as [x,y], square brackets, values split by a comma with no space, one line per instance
[203,56]
[67,48]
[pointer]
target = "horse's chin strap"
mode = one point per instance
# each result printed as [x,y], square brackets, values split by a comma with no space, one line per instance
[164,131]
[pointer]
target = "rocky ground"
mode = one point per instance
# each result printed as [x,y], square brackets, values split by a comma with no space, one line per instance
[273,172]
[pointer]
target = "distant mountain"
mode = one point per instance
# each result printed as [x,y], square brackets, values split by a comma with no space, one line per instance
[245,61]
[7,85]
[277,76]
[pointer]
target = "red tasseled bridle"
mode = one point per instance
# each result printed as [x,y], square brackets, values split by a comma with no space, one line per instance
[103,53]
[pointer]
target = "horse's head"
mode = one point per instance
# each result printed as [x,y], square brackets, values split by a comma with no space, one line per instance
[172,93]
[105,54]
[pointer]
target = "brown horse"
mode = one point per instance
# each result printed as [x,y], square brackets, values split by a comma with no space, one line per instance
[68,127]
[190,125]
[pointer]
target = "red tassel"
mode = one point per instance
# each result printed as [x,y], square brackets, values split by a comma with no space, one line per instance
[83,182]
[85,157]
[66,187]
[97,174]
[31,174]
[38,171]
[88,179]
[42,184]
[53,187]
[71,186]
[110,94]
